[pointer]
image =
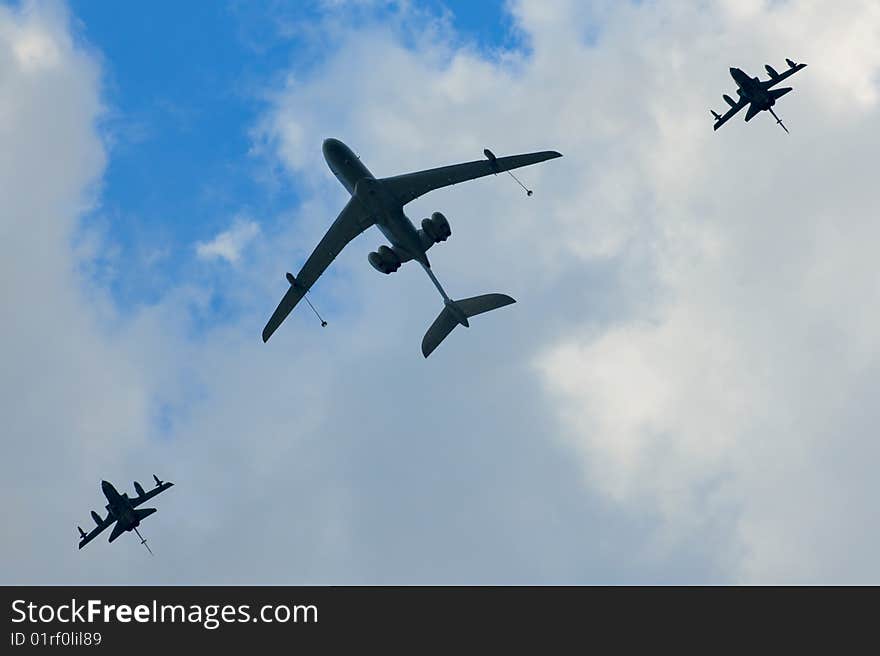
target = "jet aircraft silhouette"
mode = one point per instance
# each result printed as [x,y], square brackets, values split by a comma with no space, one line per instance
[758,95]
[380,202]
[123,511]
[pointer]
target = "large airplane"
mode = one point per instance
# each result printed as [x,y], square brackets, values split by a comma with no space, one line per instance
[380,202]
[758,95]
[121,510]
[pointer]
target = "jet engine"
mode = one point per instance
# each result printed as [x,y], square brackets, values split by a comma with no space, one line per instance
[384,260]
[729,100]
[96,517]
[771,71]
[138,489]
[437,228]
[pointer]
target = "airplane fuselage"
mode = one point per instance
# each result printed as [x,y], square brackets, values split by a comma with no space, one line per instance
[751,89]
[385,208]
[119,506]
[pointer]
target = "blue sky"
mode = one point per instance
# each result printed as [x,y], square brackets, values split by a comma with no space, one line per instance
[185,84]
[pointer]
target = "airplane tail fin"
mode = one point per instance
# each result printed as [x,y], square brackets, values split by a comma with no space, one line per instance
[144,512]
[458,312]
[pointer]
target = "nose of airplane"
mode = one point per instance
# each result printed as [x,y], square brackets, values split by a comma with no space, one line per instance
[330,146]
[105,485]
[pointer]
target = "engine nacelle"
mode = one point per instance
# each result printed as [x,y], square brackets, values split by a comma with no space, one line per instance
[96,517]
[729,100]
[771,71]
[437,228]
[138,489]
[384,260]
[442,225]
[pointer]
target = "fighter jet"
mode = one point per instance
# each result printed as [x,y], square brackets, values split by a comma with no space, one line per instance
[380,202]
[758,95]
[121,509]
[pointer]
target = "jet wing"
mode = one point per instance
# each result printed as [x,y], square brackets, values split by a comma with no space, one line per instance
[791,70]
[84,540]
[730,113]
[351,222]
[146,496]
[409,186]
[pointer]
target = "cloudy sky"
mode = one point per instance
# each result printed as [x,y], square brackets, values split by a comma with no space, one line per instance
[685,391]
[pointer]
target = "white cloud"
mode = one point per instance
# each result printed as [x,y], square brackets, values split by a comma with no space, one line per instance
[229,244]
[739,391]
[684,391]
[708,393]
[71,400]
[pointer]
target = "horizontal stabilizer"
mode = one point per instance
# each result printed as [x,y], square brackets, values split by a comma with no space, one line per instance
[778,93]
[442,326]
[468,307]
[116,532]
[752,112]
[480,304]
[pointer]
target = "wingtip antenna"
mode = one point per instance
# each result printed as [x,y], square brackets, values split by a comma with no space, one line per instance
[493,162]
[528,191]
[293,282]
[320,318]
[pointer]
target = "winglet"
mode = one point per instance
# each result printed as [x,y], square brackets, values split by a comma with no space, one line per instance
[160,482]
[493,161]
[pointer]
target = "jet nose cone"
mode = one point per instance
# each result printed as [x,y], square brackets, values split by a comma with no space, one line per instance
[105,485]
[330,145]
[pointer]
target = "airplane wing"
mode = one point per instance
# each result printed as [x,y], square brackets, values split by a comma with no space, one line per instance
[88,537]
[779,77]
[146,496]
[409,186]
[351,222]
[721,120]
